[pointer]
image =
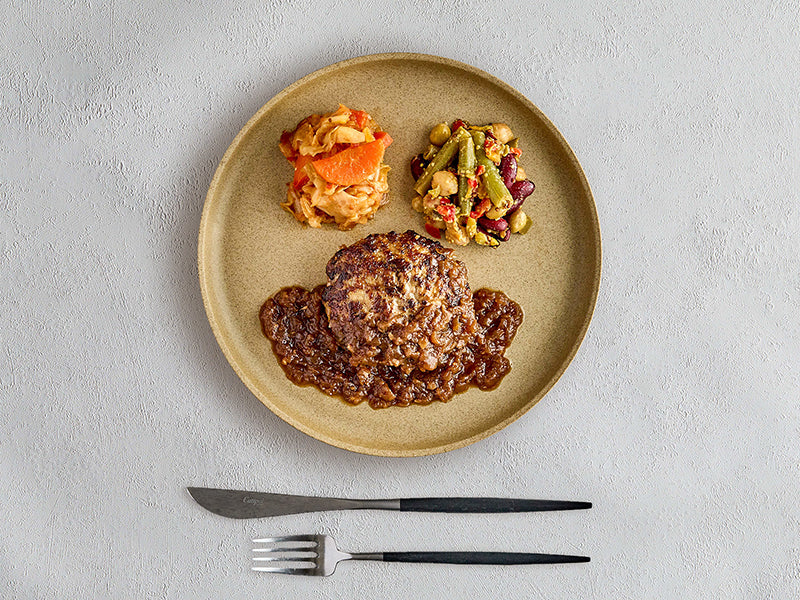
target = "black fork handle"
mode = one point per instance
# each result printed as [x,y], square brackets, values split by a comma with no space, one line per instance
[487,505]
[483,558]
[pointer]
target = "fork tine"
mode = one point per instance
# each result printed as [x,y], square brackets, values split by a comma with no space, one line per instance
[291,554]
[306,559]
[303,550]
[287,538]
[304,571]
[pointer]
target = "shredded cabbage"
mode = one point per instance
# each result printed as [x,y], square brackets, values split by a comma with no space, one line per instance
[318,201]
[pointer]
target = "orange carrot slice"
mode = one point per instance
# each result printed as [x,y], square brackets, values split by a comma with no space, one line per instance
[300,177]
[359,117]
[384,137]
[352,165]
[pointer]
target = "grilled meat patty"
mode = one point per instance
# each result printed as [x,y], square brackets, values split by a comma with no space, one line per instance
[401,300]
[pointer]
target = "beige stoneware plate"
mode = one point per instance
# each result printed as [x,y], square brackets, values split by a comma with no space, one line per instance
[249,248]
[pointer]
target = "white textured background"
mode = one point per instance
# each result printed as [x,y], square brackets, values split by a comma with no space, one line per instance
[679,418]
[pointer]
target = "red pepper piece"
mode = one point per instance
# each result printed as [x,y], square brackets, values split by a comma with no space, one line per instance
[435,232]
[481,209]
[448,211]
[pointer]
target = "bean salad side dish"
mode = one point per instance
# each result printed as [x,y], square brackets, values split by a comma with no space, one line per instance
[470,185]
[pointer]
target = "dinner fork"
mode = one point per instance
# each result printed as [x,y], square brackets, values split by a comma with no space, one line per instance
[318,555]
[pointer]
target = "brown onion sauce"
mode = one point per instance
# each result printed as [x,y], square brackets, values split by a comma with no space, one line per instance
[295,321]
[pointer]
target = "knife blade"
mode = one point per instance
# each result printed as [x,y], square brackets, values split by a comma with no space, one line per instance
[240,504]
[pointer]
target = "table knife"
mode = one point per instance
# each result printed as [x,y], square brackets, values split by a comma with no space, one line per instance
[239,504]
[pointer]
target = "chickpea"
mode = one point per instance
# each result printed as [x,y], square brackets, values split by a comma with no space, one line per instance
[456,234]
[429,202]
[436,221]
[520,174]
[446,182]
[517,220]
[439,134]
[502,132]
[494,213]
[416,204]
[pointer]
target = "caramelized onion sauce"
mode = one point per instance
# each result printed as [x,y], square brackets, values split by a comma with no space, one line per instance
[295,321]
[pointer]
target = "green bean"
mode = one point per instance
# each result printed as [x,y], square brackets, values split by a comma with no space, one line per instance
[466,171]
[478,138]
[466,156]
[440,161]
[430,152]
[495,188]
[464,196]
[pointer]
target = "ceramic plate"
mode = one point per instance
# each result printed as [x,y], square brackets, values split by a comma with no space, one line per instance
[249,248]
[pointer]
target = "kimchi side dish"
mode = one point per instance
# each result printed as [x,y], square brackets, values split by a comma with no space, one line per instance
[339,173]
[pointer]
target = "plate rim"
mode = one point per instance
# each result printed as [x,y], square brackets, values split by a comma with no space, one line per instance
[203,250]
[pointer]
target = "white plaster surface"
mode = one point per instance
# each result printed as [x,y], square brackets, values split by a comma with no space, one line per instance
[679,417]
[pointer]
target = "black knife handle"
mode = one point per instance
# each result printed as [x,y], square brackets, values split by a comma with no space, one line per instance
[482,558]
[487,505]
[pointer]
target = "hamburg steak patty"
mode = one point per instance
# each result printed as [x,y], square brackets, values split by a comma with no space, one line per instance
[400,300]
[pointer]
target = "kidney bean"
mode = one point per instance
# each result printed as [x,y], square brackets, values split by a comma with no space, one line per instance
[519,191]
[508,169]
[417,166]
[493,224]
[503,236]
[517,205]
